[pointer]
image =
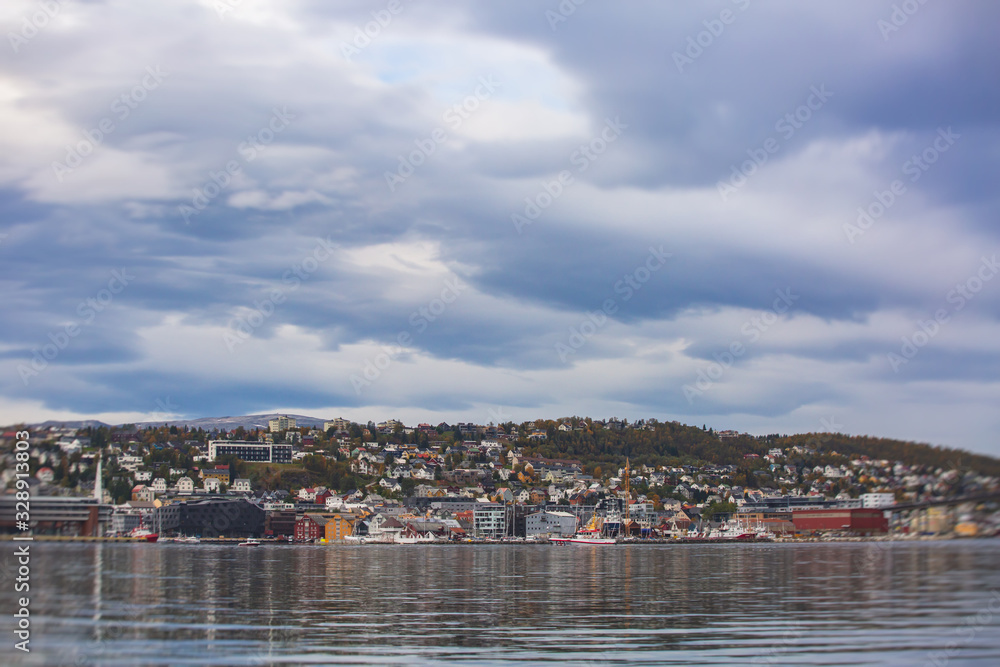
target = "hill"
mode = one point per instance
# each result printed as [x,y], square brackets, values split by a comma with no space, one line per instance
[678,444]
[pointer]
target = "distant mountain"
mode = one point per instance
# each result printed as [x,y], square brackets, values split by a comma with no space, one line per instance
[229,423]
[87,423]
[206,423]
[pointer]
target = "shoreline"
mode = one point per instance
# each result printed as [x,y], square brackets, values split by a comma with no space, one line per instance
[679,542]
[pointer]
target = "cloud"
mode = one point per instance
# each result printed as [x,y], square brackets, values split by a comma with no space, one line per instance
[262,181]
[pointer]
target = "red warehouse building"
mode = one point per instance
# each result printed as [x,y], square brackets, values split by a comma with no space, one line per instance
[857,521]
[309,527]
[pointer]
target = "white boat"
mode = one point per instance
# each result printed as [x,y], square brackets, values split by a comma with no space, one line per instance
[187,539]
[584,537]
[249,542]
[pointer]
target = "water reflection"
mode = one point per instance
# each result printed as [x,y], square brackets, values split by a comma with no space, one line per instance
[109,604]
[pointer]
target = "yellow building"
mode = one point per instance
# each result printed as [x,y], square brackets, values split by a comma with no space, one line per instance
[339,526]
[281,423]
[221,474]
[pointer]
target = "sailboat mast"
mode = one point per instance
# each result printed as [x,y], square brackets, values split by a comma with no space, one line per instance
[628,493]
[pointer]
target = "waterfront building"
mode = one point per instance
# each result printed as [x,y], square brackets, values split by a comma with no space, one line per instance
[221,516]
[489,520]
[339,526]
[555,524]
[856,521]
[309,527]
[280,523]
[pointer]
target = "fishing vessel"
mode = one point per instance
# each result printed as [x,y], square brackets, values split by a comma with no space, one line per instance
[591,534]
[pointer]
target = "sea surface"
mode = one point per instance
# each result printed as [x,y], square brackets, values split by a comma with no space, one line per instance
[913,604]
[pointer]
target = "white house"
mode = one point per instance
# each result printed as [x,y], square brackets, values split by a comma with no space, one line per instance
[390,484]
[185,485]
[241,486]
[211,485]
[159,485]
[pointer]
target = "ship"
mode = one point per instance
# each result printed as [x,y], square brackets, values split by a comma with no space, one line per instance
[591,534]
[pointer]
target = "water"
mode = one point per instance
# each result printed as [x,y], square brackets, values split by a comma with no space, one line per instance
[828,604]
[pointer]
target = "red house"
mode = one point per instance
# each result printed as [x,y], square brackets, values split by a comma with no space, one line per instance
[309,527]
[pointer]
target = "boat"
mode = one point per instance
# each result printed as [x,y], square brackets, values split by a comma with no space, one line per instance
[583,538]
[141,534]
[188,539]
[249,542]
[589,535]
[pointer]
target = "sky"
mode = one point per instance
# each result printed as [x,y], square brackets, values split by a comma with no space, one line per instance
[754,215]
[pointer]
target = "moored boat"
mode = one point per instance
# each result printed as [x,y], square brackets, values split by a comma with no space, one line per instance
[143,535]
[249,542]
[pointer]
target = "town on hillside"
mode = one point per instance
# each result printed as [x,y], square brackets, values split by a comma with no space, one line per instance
[344,482]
